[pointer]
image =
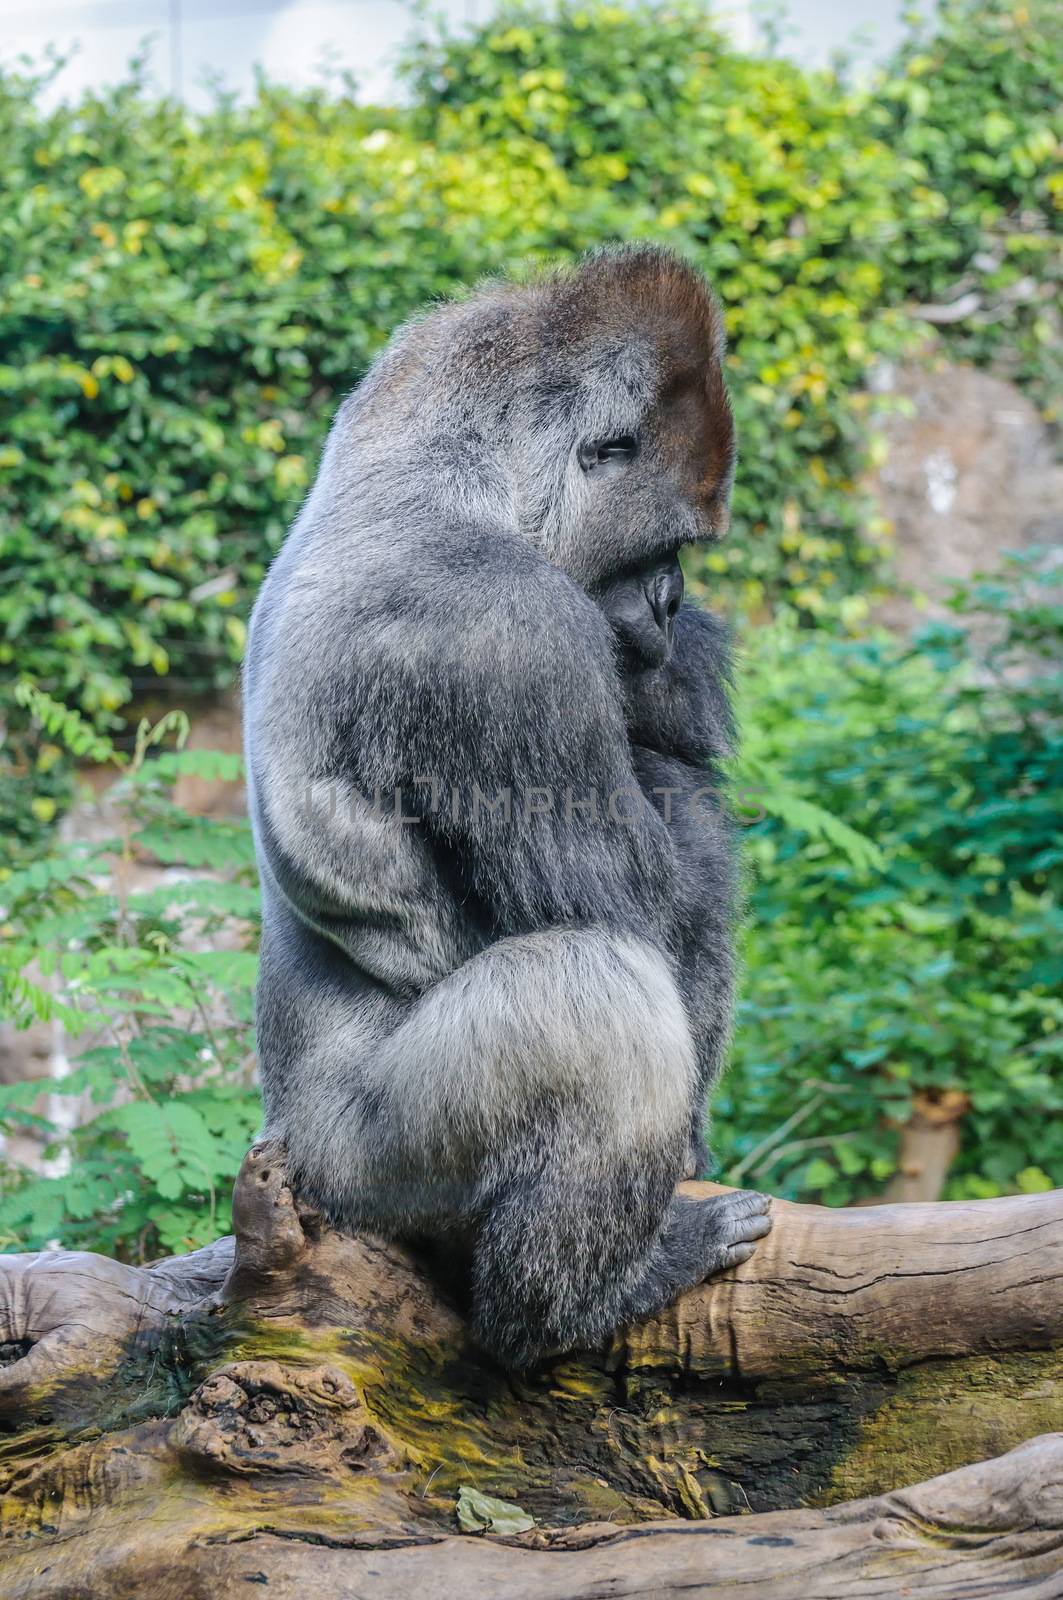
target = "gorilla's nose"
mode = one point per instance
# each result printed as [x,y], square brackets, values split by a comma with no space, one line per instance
[664,593]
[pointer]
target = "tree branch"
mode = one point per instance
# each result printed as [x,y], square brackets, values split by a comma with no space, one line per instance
[277,1404]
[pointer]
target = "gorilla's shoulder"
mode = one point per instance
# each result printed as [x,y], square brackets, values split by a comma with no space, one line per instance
[484,659]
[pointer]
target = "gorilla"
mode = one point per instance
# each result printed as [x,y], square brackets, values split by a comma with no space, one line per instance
[483,738]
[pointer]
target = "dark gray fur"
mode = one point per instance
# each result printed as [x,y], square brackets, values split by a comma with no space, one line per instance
[499,1032]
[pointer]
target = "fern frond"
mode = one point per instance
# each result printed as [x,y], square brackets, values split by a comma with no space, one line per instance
[65,723]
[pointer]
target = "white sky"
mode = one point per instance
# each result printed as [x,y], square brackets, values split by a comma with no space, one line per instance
[192,40]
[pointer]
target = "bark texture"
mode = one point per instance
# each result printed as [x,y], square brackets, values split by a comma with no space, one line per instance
[299,1409]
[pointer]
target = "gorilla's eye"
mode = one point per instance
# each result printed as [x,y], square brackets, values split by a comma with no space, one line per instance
[600,452]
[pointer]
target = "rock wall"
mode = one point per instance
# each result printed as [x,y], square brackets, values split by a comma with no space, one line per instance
[972,471]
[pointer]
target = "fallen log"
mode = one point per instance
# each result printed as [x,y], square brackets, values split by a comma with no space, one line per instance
[298,1408]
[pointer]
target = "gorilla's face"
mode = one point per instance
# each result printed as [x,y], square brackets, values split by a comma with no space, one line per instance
[651,491]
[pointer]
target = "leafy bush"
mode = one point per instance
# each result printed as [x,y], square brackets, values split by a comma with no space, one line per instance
[943,970]
[161,1105]
[183,298]
[973,98]
[904,939]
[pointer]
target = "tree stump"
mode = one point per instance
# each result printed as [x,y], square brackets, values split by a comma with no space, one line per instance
[299,1409]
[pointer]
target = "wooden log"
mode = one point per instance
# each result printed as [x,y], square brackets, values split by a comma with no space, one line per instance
[278,1404]
[990,1530]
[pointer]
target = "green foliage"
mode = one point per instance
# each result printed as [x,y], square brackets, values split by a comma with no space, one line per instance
[145,1132]
[79,736]
[183,298]
[941,969]
[974,99]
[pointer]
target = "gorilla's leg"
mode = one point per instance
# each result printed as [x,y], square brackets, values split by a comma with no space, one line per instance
[712,1052]
[563,1259]
[538,1099]
[576,1046]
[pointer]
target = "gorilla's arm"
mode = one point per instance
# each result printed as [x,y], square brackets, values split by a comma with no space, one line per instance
[681,729]
[494,726]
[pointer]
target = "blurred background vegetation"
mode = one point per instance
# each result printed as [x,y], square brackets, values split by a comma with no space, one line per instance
[183,299]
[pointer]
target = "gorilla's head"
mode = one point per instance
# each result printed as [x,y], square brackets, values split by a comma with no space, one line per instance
[585,412]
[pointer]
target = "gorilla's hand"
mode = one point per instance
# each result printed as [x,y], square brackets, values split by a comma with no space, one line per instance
[682,708]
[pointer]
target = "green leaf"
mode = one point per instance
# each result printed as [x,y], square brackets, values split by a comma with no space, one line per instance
[1032,1180]
[66,723]
[818,1174]
[482,1513]
[170,1143]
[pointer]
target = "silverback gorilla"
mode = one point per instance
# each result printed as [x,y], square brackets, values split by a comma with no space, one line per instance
[482,729]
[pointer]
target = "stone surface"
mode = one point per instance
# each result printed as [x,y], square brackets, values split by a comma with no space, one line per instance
[972,472]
